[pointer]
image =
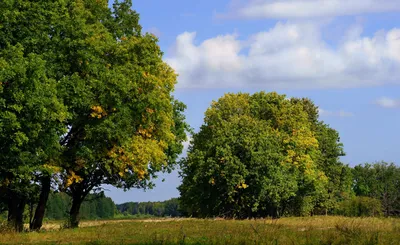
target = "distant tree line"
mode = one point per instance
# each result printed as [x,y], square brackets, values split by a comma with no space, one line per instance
[96,206]
[376,191]
[159,209]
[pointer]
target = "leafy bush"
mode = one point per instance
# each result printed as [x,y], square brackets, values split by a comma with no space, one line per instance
[360,207]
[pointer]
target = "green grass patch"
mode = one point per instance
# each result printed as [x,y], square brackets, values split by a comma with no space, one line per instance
[309,230]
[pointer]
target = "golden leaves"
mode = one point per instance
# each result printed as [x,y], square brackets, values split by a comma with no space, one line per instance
[98,112]
[52,168]
[212,181]
[145,132]
[242,186]
[73,178]
[137,155]
[150,111]
[141,173]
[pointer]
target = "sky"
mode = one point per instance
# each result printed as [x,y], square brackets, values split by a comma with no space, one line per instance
[344,55]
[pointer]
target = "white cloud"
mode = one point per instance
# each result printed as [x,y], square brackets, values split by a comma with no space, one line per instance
[388,102]
[312,8]
[289,55]
[340,113]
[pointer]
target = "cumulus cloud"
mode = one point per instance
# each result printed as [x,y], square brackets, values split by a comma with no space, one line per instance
[312,8]
[340,113]
[386,102]
[289,55]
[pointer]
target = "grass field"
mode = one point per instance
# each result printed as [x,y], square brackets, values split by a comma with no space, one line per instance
[310,230]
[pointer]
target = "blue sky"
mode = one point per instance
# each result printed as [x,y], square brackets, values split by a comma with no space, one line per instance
[344,55]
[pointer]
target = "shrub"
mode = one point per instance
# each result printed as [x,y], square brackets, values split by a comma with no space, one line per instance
[360,207]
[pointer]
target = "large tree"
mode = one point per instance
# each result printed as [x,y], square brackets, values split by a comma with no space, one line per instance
[31,121]
[122,123]
[255,155]
[125,124]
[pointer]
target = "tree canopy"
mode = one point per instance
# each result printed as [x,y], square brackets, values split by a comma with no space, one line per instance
[85,94]
[258,155]
[380,181]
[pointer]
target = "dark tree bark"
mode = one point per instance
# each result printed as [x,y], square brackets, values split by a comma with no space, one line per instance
[37,222]
[74,211]
[78,193]
[16,206]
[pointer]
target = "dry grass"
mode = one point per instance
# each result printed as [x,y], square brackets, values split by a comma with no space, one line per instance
[309,230]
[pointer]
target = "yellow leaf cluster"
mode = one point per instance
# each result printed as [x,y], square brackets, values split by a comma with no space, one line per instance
[98,112]
[150,111]
[52,168]
[242,186]
[73,178]
[212,181]
[146,133]
[138,155]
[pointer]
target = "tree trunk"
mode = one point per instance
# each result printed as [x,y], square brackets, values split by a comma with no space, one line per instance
[74,211]
[41,207]
[31,204]
[276,213]
[16,206]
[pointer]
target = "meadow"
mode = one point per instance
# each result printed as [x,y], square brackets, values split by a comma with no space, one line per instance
[306,230]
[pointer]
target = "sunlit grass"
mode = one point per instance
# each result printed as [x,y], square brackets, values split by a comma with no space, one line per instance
[308,230]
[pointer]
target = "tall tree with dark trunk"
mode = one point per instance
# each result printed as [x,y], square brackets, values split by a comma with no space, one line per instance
[125,125]
[37,221]
[122,125]
[31,123]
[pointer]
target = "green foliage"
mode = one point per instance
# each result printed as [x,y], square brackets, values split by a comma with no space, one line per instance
[255,155]
[80,83]
[330,149]
[158,209]
[96,206]
[360,207]
[32,119]
[286,231]
[380,181]
[58,206]
[31,115]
